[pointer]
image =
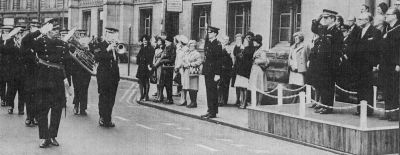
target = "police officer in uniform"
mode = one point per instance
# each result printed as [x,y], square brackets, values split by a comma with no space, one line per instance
[50,81]
[107,75]
[16,70]
[29,61]
[4,65]
[212,70]
[325,58]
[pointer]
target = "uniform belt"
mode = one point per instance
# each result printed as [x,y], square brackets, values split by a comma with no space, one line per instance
[50,64]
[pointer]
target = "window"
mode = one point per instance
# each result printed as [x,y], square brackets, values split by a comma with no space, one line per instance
[146,16]
[200,20]
[16,4]
[86,21]
[290,20]
[100,24]
[239,18]
[51,4]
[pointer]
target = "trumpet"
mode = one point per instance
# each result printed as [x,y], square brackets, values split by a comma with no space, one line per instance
[120,47]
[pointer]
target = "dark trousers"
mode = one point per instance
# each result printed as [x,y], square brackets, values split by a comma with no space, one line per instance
[29,101]
[81,86]
[365,90]
[212,94]
[223,90]
[166,83]
[327,93]
[106,101]
[15,85]
[390,83]
[3,88]
[46,131]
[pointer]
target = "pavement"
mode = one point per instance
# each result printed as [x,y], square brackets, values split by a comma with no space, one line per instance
[141,130]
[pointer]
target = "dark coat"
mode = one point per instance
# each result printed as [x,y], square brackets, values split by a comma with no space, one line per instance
[29,60]
[144,59]
[108,70]
[390,45]
[168,59]
[16,66]
[213,55]
[4,62]
[226,64]
[367,51]
[325,55]
[245,62]
[49,80]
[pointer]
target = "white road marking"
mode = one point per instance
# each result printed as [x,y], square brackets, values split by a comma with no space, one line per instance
[225,140]
[168,124]
[238,145]
[121,118]
[173,136]
[144,126]
[180,128]
[130,95]
[207,147]
[126,92]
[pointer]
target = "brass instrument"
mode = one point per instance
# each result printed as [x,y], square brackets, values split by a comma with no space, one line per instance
[120,47]
[81,54]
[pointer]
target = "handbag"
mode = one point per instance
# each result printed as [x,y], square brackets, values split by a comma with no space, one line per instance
[153,77]
[195,70]
[177,78]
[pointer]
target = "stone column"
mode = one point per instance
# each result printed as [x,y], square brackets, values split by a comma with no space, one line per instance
[261,18]
[74,15]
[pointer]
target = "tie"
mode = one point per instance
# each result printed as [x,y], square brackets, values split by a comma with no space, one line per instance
[115,57]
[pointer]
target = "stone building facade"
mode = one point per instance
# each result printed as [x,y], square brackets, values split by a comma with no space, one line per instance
[13,12]
[275,20]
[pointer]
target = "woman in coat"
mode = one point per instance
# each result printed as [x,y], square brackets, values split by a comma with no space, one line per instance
[160,46]
[180,51]
[238,48]
[244,64]
[297,60]
[226,72]
[145,61]
[190,67]
[260,63]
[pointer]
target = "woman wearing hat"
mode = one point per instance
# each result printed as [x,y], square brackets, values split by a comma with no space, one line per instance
[144,61]
[166,64]
[191,68]
[244,61]
[297,60]
[260,63]
[180,50]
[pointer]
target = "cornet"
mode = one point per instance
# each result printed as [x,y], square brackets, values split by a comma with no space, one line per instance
[121,49]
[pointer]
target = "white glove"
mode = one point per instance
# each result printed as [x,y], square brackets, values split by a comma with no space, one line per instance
[397,68]
[216,78]
[46,28]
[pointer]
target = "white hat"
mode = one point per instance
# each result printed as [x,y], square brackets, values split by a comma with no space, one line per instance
[184,39]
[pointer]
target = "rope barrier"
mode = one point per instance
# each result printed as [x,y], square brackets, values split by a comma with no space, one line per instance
[336,108]
[382,110]
[344,90]
[276,97]
[276,88]
[293,90]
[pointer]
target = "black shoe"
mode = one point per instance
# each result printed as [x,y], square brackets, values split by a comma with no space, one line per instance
[101,122]
[21,112]
[326,111]
[192,105]
[183,104]
[28,122]
[76,110]
[211,116]
[10,111]
[205,115]
[45,143]
[110,124]
[54,142]
[222,104]
[83,112]
[169,102]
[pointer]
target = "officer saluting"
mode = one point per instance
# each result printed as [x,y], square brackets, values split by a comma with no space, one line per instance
[325,57]
[29,61]
[107,75]
[212,70]
[50,81]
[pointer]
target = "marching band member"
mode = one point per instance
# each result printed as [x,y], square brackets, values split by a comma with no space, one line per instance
[4,76]
[50,81]
[29,61]
[16,70]
[107,76]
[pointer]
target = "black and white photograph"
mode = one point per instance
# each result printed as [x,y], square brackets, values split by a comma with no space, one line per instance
[199,77]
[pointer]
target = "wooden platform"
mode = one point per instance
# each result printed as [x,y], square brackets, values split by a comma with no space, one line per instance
[339,131]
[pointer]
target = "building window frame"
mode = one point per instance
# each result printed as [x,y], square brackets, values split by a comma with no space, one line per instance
[238,18]
[145,21]
[86,21]
[201,18]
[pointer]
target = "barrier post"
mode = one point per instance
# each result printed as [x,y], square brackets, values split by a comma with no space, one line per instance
[308,94]
[363,114]
[375,95]
[280,94]
[302,106]
[253,96]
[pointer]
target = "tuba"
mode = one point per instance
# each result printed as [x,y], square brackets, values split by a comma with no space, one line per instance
[81,53]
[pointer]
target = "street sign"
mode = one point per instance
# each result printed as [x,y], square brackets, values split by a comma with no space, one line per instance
[174,6]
